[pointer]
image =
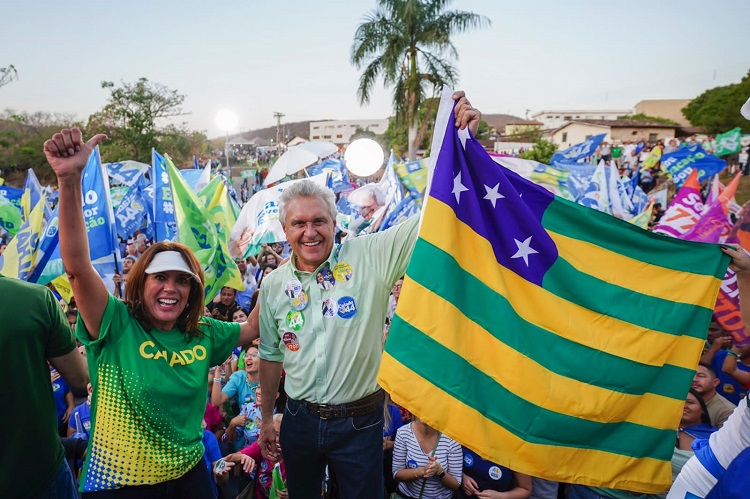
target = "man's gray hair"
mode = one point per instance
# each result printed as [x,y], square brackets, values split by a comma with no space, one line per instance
[307,189]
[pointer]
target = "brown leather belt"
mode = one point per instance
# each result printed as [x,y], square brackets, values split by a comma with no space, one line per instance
[361,407]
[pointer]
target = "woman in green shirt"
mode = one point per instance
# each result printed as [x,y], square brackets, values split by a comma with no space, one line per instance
[148,356]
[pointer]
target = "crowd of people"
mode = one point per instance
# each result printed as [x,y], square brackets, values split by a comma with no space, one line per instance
[268,391]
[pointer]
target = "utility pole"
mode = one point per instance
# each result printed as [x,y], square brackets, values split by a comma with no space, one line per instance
[278,117]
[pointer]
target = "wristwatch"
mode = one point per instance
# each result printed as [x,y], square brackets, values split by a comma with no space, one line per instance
[441,474]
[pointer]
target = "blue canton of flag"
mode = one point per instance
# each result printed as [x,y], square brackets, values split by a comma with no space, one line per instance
[164,222]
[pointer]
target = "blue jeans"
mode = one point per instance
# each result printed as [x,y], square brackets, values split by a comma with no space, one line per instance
[351,447]
[63,485]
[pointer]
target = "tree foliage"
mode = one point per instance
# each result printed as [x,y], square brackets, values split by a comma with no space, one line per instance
[22,137]
[132,116]
[542,151]
[645,117]
[408,44]
[396,137]
[718,109]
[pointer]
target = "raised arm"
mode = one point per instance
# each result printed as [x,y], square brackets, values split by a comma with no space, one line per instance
[250,329]
[67,154]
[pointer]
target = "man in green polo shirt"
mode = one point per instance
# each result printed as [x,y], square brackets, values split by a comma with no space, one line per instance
[322,316]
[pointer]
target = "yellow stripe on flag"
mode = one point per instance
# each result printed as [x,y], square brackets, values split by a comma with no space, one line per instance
[468,426]
[482,350]
[626,272]
[566,319]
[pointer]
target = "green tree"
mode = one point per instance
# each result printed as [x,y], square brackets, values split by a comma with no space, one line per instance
[131,118]
[718,109]
[541,152]
[7,75]
[408,44]
[645,117]
[22,137]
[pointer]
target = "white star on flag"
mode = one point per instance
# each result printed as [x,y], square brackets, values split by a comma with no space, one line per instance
[458,187]
[492,194]
[524,250]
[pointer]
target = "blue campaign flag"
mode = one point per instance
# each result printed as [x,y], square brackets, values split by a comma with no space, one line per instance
[125,172]
[405,209]
[339,179]
[579,177]
[165,225]
[132,211]
[97,208]
[195,163]
[11,194]
[48,246]
[579,151]
[680,163]
[191,176]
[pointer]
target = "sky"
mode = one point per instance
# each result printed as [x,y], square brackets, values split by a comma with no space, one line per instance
[257,57]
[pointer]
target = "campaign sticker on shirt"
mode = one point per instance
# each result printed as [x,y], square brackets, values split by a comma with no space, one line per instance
[291,341]
[299,302]
[468,460]
[495,473]
[55,387]
[295,320]
[728,388]
[347,307]
[264,466]
[325,279]
[411,464]
[342,272]
[293,288]
[330,308]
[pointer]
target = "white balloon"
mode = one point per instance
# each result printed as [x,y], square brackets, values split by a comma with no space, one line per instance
[364,157]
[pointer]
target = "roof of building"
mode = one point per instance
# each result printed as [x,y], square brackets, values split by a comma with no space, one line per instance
[498,121]
[623,124]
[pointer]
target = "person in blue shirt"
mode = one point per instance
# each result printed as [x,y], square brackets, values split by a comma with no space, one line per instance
[480,475]
[64,401]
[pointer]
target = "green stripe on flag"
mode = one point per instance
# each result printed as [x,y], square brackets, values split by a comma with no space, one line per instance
[442,367]
[484,306]
[601,229]
[650,313]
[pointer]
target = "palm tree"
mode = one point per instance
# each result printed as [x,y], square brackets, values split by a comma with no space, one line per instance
[408,43]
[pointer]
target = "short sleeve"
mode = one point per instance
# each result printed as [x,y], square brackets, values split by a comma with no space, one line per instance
[112,317]
[223,335]
[231,388]
[269,331]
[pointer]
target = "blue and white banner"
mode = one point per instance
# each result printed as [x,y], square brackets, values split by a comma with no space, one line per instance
[125,172]
[680,163]
[132,212]
[165,226]
[97,208]
[402,211]
[579,151]
[339,179]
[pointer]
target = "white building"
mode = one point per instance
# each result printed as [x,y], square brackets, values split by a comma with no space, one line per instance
[340,132]
[557,118]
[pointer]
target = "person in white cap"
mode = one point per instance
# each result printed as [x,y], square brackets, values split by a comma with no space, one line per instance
[149,355]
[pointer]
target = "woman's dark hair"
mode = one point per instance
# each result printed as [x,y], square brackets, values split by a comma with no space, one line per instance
[705,418]
[189,319]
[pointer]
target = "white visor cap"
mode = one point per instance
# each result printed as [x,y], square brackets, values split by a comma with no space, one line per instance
[165,261]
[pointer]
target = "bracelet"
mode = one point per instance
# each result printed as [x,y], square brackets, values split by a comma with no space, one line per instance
[217,380]
[733,354]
